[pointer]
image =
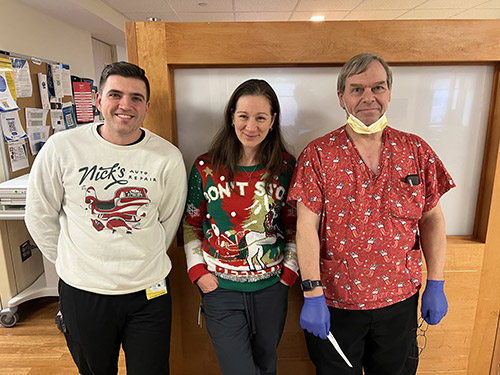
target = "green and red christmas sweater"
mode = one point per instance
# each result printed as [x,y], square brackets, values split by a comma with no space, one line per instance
[238,231]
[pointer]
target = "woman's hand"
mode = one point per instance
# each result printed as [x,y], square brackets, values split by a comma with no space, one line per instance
[207,283]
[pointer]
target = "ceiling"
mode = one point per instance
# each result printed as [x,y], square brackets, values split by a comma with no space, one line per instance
[105,19]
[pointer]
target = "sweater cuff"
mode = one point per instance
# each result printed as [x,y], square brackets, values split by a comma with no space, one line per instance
[197,271]
[288,276]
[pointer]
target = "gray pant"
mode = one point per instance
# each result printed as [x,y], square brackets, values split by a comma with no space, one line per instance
[246,327]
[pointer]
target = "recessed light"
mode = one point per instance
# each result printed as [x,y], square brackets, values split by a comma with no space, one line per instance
[317,18]
[153,19]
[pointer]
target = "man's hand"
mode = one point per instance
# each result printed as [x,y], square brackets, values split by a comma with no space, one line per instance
[434,305]
[208,283]
[315,317]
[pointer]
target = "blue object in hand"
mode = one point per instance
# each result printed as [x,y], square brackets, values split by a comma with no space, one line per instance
[315,317]
[434,305]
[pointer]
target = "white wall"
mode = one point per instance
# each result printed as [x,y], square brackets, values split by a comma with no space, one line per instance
[29,32]
[102,56]
[121,53]
[448,106]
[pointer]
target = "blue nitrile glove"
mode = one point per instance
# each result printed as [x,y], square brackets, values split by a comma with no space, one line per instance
[434,305]
[315,317]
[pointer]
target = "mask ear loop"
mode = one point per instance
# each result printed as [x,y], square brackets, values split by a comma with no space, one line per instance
[355,118]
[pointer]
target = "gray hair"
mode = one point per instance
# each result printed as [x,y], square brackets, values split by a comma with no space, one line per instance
[357,65]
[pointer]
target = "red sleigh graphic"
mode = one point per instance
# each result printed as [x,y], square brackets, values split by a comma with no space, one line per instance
[120,211]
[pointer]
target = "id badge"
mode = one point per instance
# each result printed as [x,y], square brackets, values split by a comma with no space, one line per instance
[156,290]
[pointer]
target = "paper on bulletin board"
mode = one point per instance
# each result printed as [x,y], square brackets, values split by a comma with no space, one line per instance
[11,126]
[35,116]
[69,115]
[54,80]
[83,102]
[6,67]
[22,77]
[18,155]
[37,135]
[66,80]
[44,93]
[7,102]
[57,120]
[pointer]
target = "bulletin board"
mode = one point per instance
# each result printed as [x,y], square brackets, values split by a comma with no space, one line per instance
[36,66]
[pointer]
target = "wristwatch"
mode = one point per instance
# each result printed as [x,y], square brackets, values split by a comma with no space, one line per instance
[308,285]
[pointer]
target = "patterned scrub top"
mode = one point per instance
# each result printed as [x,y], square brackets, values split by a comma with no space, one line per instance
[369,248]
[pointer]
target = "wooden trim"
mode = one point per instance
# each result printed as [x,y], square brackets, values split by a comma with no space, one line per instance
[495,363]
[150,36]
[131,42]
[247,43]
[491,148]
[162,47]
[483,340]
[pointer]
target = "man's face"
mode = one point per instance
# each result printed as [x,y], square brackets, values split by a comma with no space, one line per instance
[123,104]
[366,95]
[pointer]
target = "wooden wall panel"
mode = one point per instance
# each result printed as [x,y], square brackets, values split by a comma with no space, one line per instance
[155,62]
[449,343]
[161,120]
[488,224]
[491,149]
[495,363]
[486,320]
[464,342]
[247,43]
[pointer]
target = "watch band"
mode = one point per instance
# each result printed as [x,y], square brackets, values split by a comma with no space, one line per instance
[308,285]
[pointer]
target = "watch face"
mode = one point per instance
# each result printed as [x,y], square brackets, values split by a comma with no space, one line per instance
[304,286]
[308,285]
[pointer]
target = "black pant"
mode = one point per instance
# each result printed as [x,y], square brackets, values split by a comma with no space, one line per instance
[246,327]
[380,341]
[96,325]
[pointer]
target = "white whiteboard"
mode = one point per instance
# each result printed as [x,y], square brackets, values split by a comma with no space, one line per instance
[446,105]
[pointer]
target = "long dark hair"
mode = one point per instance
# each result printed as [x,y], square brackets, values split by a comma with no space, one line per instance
[226,149]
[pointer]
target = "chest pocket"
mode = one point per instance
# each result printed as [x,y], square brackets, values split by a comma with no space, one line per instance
[406,201]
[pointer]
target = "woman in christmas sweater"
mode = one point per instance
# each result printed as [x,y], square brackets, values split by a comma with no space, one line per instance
[239,234]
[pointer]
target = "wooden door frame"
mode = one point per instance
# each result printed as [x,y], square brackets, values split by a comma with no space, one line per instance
[160,48]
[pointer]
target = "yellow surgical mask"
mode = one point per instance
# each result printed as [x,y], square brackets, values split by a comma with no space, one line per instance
[359,127]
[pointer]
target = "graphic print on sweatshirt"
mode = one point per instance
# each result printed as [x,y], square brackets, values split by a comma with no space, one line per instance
[118,209]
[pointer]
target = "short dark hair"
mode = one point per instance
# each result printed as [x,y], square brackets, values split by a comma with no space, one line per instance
[357,65]
[124,69]
[226,148]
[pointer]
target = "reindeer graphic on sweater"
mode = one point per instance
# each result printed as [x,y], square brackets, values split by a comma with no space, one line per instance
[249,243]
[253,241]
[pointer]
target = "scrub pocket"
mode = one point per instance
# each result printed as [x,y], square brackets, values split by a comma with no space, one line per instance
[406,201]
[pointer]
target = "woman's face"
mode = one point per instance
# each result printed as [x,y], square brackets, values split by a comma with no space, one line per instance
[252,119]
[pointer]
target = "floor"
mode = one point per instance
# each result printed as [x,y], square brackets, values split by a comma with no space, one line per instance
[34,346]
